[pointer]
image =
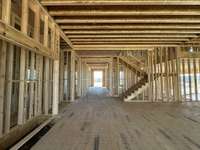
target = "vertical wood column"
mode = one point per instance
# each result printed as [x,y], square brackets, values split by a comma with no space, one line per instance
[40,84]
[46,85]
[24,28]
[8,87]
[195,78]
[79,76]
[152,78]
[155,75]
[6,10]
[32,96]
[61,76]
[178,72]
[161,72]
[190,80]
[72,77]
[2,83]
[166,74]
[184,80]
[37,24]
[110,76]
[46,29]
[117,76]
[55,87]
[149,75]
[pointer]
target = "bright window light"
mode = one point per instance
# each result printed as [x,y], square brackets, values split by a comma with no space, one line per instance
[98,78]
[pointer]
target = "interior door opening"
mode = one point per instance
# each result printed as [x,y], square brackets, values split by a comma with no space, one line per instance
[98,78]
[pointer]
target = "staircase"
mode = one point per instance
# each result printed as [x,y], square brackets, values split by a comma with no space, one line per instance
[136,89]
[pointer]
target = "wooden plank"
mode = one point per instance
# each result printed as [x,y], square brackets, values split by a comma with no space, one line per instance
[3,50]
[32,85]
[6,11]
[128,39]
[118,2]
[21,87]
[149,75]
[184,80]
[138,12]
[8,91]
[124,20]
[161,73]
[147,31]
[55,87]
[190,79]
[46,30]
[167,75]
[40,84]
[156,75]
[72,77]
[37,24]
[152,77]
[46,86]
[133,26]
[178,71]
[134,36]
[195,78]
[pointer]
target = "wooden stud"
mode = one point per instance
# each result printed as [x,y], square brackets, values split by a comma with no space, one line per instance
[2,82]
[55,87]
[46,86]
[195,78]
[190,79]
[184,80]
[167,74]
[161,73]
[72,77]
[6,11]
[8,91]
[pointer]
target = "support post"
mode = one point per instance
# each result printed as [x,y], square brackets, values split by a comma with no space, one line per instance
[8,88]
[24,28]
[72,78]
[2,83]
[110,75]
[46,85]
[55,87]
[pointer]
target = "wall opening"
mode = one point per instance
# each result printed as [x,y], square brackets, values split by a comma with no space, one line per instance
[98,78]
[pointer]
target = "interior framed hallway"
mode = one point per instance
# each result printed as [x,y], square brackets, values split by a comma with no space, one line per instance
[149,55]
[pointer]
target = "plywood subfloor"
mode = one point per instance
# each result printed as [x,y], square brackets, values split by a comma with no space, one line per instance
[98,122]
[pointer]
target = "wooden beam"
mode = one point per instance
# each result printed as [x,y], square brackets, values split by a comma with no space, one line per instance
[65,38]
[133,36]
[125,46]
[118,2]
[106,32]
[169,12]
[133,26]
[129,20]
[16,37]
[128,39]
[123,43]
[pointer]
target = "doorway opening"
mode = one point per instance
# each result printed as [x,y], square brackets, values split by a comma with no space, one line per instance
[98,78]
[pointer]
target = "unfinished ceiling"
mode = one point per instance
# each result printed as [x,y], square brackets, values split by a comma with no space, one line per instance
[127,24]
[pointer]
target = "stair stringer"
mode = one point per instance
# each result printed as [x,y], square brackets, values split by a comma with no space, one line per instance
[136,93]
